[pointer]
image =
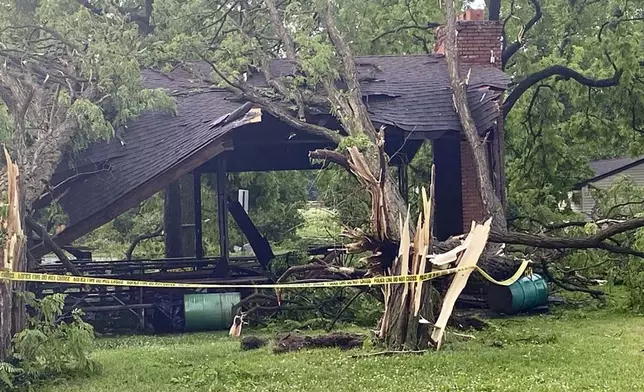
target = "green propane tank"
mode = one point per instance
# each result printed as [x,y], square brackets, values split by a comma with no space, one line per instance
[207,312]
[524,294]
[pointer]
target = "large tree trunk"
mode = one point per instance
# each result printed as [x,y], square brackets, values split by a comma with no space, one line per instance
[491,203]
[6,300]
[12,258]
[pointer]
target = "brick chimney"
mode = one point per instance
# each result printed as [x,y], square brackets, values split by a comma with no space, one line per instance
[479,42]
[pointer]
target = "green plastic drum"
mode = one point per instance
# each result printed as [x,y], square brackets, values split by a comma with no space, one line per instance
[524,294]
[207,312]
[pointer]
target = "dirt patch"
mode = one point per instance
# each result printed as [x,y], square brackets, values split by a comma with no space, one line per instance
[252,343]
[295,341]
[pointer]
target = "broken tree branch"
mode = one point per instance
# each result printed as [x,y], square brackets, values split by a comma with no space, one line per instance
[146,236]
[345,307]
[595,241]
[330,156]
[511,49]
[46,238]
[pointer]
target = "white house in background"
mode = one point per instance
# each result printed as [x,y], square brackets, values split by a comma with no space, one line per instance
[605,172]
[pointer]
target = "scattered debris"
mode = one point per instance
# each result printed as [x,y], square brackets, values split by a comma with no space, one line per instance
[295,341]
[463,335]
[475,241]
[236,328]
[465,322]
[389,353]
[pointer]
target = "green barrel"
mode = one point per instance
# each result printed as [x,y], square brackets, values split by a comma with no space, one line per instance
[524,294]
[211,311]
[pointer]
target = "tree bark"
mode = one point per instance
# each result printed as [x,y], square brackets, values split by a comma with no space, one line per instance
[6,306]
[491,203]
[12,258]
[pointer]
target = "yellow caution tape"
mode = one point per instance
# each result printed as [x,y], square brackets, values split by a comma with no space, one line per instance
[86,280]
[380,280]
[508,282]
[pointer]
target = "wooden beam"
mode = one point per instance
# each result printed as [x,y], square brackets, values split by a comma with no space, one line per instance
[172,220]
[221,270]
[188,243]
[136,196]
[44,236]
[257,241]
[198,219]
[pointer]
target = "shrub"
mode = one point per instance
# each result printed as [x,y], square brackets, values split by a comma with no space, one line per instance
[49,347]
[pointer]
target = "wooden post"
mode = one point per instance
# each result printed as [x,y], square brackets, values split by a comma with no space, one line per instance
[172,220]
[222,215]
[141,294]
[403,181]
[258,242]
[187,216]
[198,219]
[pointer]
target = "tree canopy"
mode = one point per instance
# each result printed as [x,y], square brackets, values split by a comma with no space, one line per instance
[71,73]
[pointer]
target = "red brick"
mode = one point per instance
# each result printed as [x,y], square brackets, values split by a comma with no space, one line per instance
[477,40]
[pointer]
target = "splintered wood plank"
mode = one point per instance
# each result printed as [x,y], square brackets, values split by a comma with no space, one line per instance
[426,237]
[416,255]
[419,286]
[470,258]
[427,214]
[429,210]
[418,244]
[13,223]
[403,256]
[442,259]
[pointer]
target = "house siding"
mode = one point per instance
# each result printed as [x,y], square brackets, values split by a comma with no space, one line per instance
[586,204]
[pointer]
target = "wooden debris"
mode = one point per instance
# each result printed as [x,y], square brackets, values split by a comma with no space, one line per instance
[388,353]
[236,327]
[463,335]
[408,306]
[479,235]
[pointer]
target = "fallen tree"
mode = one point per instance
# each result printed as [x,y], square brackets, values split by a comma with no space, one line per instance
[313,86]
[324,77]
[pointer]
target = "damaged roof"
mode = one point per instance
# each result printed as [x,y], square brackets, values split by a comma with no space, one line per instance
[411,93]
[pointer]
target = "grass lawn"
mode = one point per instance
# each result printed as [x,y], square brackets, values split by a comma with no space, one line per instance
[568,351]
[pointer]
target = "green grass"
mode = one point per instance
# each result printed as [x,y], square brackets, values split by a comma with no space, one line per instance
[570,351]
[319,223]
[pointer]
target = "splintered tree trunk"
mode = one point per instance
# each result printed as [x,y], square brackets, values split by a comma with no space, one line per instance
[407,304]
[491,203]
[12,312]
[5,317]
[18,310]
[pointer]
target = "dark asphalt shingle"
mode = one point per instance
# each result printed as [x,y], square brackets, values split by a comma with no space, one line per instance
[410,92]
